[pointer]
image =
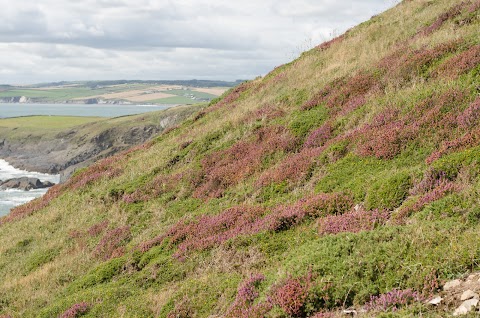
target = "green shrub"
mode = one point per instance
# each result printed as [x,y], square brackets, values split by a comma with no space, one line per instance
[304,121]
[388,193]
[40,258]
[451,164]
[101,274]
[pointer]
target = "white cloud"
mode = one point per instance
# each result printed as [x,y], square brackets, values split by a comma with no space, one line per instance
[50,40]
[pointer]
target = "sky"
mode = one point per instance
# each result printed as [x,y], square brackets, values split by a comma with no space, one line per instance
[64,40]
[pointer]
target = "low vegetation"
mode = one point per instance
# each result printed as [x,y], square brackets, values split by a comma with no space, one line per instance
[349,177]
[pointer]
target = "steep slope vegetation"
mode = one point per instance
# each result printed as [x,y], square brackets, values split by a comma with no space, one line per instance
[349,177]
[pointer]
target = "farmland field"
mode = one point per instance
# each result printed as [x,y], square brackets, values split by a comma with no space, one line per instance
[123,93]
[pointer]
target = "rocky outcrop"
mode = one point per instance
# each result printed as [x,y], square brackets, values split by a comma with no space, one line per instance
[80,146]
[459,296]
[25,183]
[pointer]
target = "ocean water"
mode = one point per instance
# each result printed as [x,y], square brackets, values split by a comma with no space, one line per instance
[11,198]
[100,110]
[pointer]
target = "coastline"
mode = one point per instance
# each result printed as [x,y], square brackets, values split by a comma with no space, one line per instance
[10,198]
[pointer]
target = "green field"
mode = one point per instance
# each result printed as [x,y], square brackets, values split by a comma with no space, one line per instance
[46,122]
[81,91]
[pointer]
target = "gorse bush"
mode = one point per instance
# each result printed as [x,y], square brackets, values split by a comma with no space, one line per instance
[388,193]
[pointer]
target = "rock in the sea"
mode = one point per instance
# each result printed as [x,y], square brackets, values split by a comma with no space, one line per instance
[466,307]
[452,284]
[469,294]
[24,183]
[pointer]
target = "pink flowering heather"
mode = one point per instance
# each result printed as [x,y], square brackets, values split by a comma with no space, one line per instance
[461,63]
[319,136]
[294,168]
[232,97]
[393,300]
[326,45]
[470,117]
[76,310]
[474,7]
[448,15]
[33,206]
[152,189]
[407,63]
[470,139]
[111,245]
[266,112]
[354,221]
[243,306]
[209,231]
[291,294]
[286,217]
[227,167]
[324,314]
[98,228]
[387,141]
[442,189]
[431,180]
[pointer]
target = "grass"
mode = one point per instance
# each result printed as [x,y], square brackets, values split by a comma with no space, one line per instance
[46,122]
[33,128]
[375,152]
[177,100]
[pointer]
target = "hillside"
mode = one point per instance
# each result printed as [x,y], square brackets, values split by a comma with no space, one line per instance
[62,144]
[346,178]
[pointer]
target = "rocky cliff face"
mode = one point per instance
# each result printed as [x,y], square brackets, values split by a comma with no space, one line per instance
[78,147]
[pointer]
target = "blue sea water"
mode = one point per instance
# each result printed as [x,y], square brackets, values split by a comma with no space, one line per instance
[94,110]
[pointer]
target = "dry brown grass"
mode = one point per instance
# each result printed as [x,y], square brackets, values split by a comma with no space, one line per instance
[211,90]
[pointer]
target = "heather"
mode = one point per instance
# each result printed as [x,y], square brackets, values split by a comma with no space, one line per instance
[348,178]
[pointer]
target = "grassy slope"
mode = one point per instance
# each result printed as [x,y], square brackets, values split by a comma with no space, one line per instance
[48,127]
[402,146]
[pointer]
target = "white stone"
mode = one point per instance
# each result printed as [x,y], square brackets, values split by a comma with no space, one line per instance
[472,277]
[452,284]
[466,307]
[469,294]
[350,312]
[435,301]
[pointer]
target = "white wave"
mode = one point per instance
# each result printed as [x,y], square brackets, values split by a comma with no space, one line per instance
[7,171]
[11,198]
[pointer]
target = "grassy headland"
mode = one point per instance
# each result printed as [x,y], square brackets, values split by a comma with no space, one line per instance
[61,144]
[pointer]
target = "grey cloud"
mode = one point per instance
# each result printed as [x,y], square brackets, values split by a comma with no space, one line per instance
[106,39]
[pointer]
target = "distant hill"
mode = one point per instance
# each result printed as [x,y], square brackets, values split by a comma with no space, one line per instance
[117,92]
[346,179]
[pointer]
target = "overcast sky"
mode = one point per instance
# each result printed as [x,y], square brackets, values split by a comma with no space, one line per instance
[54,40]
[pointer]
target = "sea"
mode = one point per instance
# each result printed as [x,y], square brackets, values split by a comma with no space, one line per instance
[11,198]
[93,110]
